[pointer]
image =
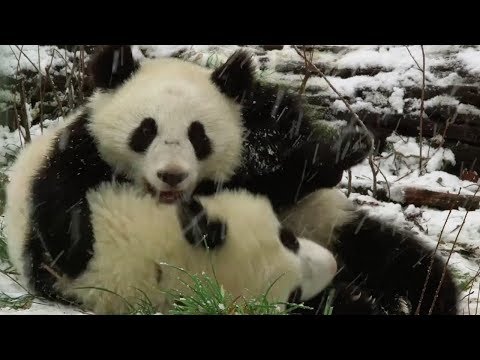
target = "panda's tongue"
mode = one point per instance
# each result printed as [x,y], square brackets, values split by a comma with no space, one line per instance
[169,196]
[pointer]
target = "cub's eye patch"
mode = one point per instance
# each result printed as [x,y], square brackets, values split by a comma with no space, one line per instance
[200,141]
[143,135]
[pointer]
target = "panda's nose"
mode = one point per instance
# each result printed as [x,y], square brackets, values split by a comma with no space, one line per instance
[172,178]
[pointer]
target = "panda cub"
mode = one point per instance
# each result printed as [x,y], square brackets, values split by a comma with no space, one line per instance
[165,126]
[140,245]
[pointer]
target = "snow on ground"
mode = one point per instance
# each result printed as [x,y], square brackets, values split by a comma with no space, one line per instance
[398,164]
[400,168]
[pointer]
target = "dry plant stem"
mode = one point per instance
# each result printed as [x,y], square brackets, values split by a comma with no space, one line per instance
[54,88]
[316,70]
[308,73]
[417,311]
[40,89]
[383,175]
[82,69]
[312,68]
[17,117]
[374,175]
[448,259]
[23,112]
[478,299]
[422,109]
[416,63]
[349,182]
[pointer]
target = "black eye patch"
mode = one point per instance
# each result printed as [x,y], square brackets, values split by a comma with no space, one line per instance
[289,240]
[200,141]
[143,135]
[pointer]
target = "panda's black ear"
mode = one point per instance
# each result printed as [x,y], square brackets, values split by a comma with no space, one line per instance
[111,66]
[235,77]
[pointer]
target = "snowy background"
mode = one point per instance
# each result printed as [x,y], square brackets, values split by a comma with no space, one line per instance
[384,86]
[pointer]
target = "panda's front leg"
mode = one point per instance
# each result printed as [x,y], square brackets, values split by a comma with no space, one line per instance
[198,228]
[318,164]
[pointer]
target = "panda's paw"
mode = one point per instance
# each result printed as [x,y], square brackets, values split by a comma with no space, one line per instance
[352,146]
[197,228]
[352,300]
[401,305]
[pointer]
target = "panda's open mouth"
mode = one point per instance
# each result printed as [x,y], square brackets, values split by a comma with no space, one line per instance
[167,197]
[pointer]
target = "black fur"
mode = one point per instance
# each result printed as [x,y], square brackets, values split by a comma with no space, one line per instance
[61,236]
[395,261]
[235,77]
[198,229]
[289,240]
[284,158]
[111,66]
[347,299]
[200,141]
[143,135]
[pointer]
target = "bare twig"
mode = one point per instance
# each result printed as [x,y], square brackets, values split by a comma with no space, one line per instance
[51,271]
[26,57]
[313,68]
[349,182]
[82,68]
[17,123]
[478,299]
[23,112]
[416,63]
[417,311]
[40,89]
[448,259]
[374,176]
[386,181]
[54,89]
[422,109]
[308,73]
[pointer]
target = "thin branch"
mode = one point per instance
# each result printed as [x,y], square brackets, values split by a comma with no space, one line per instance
[23,112]
[422,109]
[416,63]
[26,57]
[82,68]
[448,259]
[54,88]
[349,182]
[417,311]
[312,67]
[40,88]
[386,181]
[374,177]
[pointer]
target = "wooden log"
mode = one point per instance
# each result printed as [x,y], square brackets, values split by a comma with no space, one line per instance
[435,199]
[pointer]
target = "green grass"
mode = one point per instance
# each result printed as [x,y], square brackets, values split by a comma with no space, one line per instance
[17,303]
[208,297]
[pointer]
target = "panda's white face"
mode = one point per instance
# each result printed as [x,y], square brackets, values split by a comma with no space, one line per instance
[167,128]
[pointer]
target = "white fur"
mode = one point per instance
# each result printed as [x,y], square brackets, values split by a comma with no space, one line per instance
[174,93]
[18,193]
[318,214]
[135,236]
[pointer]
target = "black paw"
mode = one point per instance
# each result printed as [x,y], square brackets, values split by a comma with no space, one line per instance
[354,300]
[197,228]
[352,147]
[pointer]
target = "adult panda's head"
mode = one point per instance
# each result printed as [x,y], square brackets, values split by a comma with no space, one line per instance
[168,123]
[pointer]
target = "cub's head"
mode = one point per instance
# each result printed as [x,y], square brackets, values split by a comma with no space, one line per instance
[167,123]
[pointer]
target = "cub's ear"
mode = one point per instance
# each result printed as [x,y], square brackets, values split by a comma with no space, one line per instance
[236,76]
[111,66]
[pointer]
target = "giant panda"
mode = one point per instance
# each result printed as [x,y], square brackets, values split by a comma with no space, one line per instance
[177,129]
[383,268]
[144,249]
[165,126]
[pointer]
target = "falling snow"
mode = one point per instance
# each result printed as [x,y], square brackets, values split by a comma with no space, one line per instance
[385,92]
